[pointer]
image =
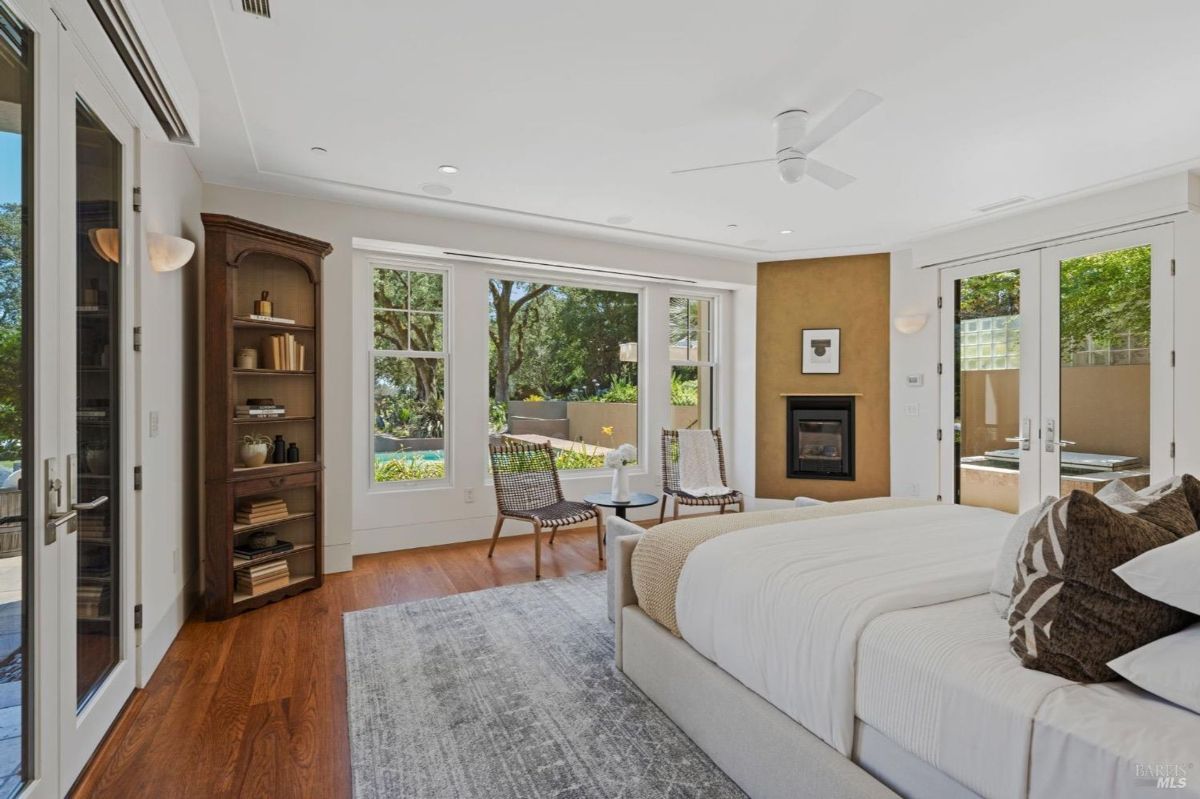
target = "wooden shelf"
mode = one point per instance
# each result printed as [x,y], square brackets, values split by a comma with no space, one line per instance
[294,582]
[241,322]
[238,529]
[273,372]
[242,261]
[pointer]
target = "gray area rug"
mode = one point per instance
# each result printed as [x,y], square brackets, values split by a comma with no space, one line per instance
[508,693]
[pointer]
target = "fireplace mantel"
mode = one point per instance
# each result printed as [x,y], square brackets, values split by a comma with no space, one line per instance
[828,394]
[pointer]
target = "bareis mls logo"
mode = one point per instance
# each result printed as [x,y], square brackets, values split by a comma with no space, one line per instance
[1161,775]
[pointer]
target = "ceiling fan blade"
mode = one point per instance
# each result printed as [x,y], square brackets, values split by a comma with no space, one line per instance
[858,103]
[722,166]
[833,178]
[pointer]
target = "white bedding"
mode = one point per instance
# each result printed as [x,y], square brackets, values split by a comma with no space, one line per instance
[1090,740]
[781,607]
[941,683]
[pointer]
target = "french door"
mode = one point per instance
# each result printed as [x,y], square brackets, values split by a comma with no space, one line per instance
[1057,370]
[96,429]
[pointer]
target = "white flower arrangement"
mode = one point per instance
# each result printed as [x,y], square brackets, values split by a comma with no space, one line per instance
[621,456]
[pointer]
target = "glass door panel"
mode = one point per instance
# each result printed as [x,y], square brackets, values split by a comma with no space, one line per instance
[1097,377]
[989,318]
[16,542]
[98,276]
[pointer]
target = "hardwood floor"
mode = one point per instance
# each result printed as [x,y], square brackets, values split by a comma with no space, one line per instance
[256,706]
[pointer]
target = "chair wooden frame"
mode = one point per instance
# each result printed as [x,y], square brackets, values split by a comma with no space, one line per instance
[670,479]
[528,489]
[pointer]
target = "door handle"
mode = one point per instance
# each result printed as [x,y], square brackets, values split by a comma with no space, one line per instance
[1024,439]
[95,503]
[58,521]
[1052,440]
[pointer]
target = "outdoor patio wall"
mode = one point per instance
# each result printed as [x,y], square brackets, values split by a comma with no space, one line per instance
[850,293]
[1105,409]
[587,418]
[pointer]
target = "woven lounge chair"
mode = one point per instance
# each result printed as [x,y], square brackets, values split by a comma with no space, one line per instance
[670,479]
[527,488]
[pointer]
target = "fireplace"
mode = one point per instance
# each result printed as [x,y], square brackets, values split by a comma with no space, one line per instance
[820,438]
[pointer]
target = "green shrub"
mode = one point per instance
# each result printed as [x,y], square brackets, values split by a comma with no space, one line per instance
[398,469]
[684,392]
[620,389]
[574,459]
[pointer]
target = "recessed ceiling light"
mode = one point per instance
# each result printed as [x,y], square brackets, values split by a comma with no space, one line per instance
[785,233]
[318,149]
[437,189]
[621,219]
[448,169]
[731,227]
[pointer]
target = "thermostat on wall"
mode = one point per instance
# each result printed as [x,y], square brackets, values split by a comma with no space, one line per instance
[915,380]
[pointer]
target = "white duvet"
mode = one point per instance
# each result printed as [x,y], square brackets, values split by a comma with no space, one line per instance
[781,607]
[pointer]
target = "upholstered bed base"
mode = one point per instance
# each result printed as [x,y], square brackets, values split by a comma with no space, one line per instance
[768,754]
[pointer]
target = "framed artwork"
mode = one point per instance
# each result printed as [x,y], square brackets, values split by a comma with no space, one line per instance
[821,352]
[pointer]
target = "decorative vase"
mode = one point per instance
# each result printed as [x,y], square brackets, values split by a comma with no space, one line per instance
[620,485]
[279,453]
[254,454]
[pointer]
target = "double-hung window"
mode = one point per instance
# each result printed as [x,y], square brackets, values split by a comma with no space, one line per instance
[408,374]
[693,362]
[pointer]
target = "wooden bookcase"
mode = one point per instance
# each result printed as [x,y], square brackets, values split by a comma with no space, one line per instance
[243,259]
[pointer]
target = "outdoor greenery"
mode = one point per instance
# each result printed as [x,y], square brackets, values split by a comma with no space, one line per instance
[1102,296]
[560,342]
[410,468]
[11,302]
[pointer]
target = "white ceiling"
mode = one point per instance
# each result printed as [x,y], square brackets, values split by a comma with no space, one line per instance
[565,115]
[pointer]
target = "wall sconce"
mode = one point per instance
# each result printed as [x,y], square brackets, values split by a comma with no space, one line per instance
[912,323]
[168,253]
[106,241]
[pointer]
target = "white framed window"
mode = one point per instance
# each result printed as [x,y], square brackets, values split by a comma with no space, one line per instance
[408,371]
[563,366]
[693,360]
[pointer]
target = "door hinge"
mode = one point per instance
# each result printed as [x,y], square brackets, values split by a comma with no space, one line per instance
[1172,359]
[1172,267]
[137,617]
[137,339]
[1172,450]
[137,198]
[137,478]
[939,434]
[939,367]
[939,302]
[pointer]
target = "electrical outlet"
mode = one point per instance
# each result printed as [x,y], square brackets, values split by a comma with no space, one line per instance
[468,495]
[154,424]
[912,409]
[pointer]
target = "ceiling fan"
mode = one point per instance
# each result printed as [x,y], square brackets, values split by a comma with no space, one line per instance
[794,142]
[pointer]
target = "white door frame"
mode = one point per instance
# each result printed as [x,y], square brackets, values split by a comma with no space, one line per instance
[81,732]
[1027,264]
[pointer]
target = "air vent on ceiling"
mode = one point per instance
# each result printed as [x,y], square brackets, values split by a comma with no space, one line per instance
[999,204]
[259,8]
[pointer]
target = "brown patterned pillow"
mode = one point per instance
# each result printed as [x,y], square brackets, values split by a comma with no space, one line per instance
[1069,613]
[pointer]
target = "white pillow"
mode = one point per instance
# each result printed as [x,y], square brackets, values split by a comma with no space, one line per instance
[1166,667]
[1006,564]
[1170,573]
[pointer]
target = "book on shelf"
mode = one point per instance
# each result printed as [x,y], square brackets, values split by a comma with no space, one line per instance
[278,320]
[245,556]
[262,509]
[255,580]
[259,411]
[283,352]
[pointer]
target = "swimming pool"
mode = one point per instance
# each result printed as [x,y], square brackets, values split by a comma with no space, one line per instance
[424,456]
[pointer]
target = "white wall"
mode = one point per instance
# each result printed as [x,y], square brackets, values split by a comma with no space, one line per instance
[354,521]
[169,546]
[1174,198]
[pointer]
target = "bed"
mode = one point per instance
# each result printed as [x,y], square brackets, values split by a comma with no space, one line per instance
[857,654]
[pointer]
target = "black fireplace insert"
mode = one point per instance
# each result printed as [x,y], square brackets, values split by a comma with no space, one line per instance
[820,438]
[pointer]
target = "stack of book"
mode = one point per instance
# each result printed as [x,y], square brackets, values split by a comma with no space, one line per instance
[261,509]
[282,352]
[89,600]
[244,555]
[258,411]
[255,580]
[278,320]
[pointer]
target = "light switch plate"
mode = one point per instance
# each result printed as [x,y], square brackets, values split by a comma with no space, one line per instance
[915,380]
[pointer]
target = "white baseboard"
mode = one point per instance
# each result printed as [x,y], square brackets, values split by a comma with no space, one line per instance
[155,643]
[338,558]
